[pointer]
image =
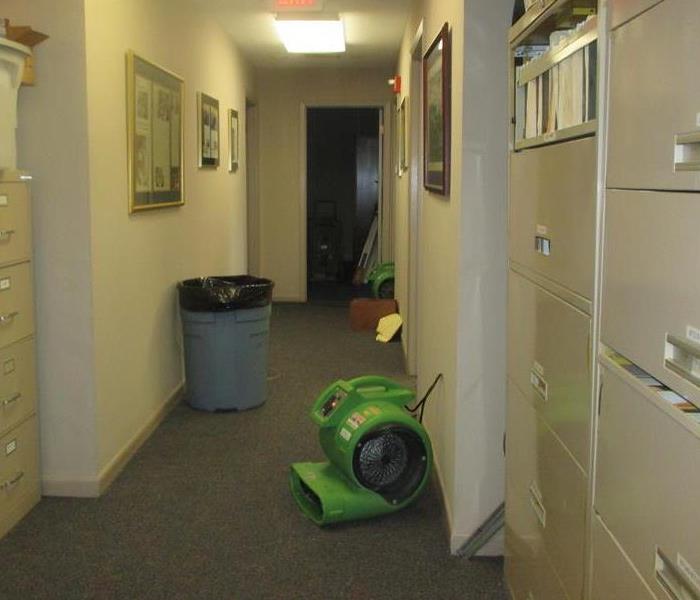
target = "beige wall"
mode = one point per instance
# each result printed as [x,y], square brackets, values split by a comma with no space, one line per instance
[281,95]
[439,255]
[110,354]
[53,146]
[138,259]
[462,263]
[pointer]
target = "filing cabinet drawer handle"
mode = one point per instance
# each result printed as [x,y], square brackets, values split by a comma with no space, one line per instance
[687,152]
[672,579]
[8,318]
[539,384]
[10,483]
[6,233]
[11,400]
[679,354]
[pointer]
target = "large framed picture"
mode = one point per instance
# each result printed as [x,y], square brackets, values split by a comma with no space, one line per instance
[233,140]
[154,135]
[207,131]
[436,114]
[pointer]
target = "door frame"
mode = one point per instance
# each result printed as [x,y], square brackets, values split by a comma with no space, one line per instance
[252,188]
[414,196]
[385,191]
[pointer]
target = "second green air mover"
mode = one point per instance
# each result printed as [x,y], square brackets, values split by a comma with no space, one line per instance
[381,280]
[379,455]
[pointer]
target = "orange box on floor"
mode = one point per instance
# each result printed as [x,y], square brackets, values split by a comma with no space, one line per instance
[366,312]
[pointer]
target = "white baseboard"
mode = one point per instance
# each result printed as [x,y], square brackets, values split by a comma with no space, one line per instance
[93,487]
[494,547]
[289,299]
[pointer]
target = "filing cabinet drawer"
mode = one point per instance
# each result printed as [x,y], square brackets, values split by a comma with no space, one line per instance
[17,383]
[622,11]
[654,91]
[552,197]
[647,484]
[16,304]
[547,495]
[614,577]
[528,570]
[549,361]
[15,223]
[650,311]
[19,473]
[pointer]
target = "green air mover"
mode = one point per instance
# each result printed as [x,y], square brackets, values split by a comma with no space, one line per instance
[379,456]
[381,280]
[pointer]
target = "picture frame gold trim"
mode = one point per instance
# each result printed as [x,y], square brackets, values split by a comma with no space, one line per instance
[155,135]
[208,132]
[233,140]
[437,123]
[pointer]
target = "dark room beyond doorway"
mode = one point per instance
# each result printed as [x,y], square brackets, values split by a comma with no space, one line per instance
[343,183]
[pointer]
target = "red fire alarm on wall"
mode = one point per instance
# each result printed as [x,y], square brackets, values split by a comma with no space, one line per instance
[395,84]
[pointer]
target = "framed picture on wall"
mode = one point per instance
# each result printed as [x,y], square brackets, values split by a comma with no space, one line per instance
[154,135]
[207,131]
[436,114]
[233,140]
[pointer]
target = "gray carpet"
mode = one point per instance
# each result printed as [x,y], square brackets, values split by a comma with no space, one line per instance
[203,511]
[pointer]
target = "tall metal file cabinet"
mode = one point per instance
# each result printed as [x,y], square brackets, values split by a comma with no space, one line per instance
[646,539]
[553,208]
[19,456]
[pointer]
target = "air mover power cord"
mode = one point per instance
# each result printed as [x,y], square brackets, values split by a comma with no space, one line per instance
[420,406]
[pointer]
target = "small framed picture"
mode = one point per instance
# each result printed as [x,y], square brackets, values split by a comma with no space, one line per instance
[437,89]
[154,135]
[207,131]
[233,140]
[402,138]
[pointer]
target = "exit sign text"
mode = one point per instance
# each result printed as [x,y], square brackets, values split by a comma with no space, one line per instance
[295,3]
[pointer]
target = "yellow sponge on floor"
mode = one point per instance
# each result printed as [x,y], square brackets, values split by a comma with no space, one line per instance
[388,327]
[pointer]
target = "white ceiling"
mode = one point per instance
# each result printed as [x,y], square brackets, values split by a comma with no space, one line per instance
[373,31]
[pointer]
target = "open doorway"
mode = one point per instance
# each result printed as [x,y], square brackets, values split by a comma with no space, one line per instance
[344,158]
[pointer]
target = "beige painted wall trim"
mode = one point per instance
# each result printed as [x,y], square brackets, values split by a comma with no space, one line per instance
[112,470]
[290,299]
[93,487]
[303,203]
[78,487]
[454,539]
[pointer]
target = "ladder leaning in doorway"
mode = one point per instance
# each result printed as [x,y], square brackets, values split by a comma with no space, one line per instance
[369,255]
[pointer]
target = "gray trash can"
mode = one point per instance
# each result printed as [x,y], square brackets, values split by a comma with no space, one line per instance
[226,323]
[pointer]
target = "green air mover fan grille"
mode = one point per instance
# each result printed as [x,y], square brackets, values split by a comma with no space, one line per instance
[391,461]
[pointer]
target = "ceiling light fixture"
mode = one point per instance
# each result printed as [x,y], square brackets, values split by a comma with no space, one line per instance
[311,36]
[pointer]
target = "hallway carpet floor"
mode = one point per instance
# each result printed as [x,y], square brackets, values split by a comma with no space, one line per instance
[203,511]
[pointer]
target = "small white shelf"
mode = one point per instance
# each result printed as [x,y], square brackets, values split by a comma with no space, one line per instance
[530,16]
[580,39]
[653,393]
[561,135]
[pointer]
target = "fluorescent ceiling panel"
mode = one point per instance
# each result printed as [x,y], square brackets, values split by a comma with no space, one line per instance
[311,36]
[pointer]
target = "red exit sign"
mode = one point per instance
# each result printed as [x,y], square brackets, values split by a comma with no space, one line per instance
[295,3]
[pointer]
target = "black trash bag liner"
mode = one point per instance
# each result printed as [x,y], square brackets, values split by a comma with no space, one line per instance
[228,292]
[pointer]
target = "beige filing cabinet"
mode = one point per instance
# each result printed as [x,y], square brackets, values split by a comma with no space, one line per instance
[553,204]
[19,450]
[646,538]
